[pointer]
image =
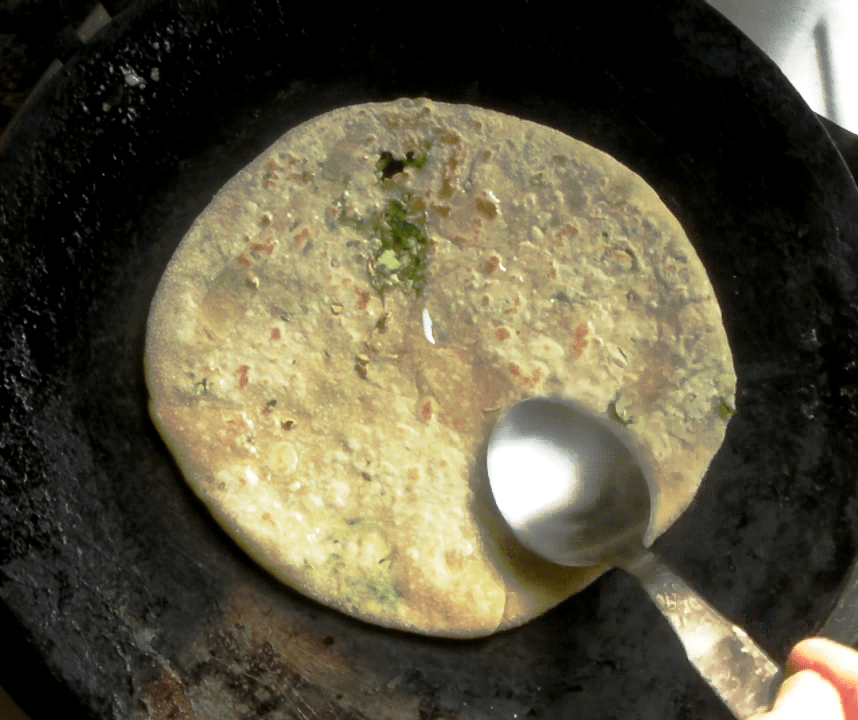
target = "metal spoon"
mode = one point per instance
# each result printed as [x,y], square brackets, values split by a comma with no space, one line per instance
[573,491]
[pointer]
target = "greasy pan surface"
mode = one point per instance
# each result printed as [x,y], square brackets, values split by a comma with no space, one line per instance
[113,571]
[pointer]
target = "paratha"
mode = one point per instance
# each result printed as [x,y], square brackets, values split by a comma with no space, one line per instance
[335,335]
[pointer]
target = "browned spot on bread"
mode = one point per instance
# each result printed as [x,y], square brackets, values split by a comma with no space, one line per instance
[502,334]
[458,607]
[453,560]
[426,411]
[564,234]
[237,423]
[243,379]
[450,173]
[580,339]
[275,334]
[486,207]
[302,236]
[528,381]
[491,265]
[264,248]
[363,299]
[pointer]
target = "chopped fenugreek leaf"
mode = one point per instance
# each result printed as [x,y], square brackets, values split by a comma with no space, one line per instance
[388,259]
[725,410]
[615,416]
[419,161]
[403,254]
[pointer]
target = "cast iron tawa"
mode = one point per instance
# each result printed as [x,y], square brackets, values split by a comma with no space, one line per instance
[113,572]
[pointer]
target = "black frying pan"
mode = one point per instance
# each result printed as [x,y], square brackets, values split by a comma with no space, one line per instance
[111,571]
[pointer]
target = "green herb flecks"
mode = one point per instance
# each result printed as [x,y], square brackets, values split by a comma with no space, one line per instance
[388,260]
[725,410]
[402,254]
[361,362]
[201,387]
[616,417]
[383,590]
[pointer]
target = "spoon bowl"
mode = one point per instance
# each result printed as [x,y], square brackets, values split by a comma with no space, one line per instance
[570,489]
[573,491]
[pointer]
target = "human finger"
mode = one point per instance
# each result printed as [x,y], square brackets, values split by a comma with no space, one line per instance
[836,663]
[805,695]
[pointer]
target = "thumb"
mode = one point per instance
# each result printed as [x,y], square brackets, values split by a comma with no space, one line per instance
[805,695]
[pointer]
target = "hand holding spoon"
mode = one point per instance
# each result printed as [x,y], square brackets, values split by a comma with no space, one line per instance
[573,492]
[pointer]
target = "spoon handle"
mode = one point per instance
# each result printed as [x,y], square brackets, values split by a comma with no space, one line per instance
[736,668]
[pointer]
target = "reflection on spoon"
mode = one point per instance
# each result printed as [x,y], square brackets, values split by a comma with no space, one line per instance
[574,492]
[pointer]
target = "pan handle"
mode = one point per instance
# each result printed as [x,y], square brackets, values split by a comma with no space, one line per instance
[736,668]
